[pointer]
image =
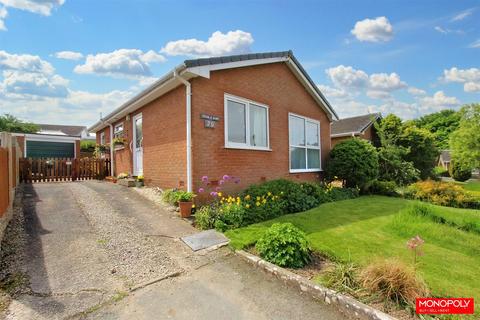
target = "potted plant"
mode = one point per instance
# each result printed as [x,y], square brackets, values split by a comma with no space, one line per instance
[139,182]
[185,202]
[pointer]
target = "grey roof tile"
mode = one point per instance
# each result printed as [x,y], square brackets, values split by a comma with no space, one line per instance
[353,124]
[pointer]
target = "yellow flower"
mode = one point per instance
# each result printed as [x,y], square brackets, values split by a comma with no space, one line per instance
[247,197]
[258,198]
[264,201]
[219,194]
[257,203]
[269,193]
[247,206]
[193,206]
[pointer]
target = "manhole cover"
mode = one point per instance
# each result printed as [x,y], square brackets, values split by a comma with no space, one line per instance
[205,240]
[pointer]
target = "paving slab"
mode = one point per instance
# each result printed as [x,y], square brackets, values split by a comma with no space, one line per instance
[205,240]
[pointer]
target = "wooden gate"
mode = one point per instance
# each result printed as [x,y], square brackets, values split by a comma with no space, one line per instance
[62,169]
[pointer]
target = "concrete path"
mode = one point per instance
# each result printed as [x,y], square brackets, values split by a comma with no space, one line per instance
[75,260]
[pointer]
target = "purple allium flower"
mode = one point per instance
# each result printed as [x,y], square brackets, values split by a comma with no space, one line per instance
[226,177]
[213,194]
[204,179]
[201,190]
[221,182]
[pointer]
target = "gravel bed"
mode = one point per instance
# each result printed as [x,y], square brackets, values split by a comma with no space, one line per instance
[154,194]
[136,258]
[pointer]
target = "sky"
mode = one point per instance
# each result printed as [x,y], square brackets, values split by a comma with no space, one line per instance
[66,61]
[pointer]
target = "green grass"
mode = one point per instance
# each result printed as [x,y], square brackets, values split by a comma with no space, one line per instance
[373,227]
[471,185]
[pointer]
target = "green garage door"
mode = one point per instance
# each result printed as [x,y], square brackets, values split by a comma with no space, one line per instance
[42,149]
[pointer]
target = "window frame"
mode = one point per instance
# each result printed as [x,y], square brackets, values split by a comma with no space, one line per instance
[103,141]
[306,147]
[247,103]
[119,134]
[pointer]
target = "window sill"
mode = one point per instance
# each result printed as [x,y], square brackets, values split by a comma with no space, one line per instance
[249,148]
[119,148]
[305,170]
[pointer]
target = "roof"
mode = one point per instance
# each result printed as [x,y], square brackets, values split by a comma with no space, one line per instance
[354,125]
[445,155]
[202,68]
[54,129]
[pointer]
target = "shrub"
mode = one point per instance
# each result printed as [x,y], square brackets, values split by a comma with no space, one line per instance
[87,145]
[386,188]
[440,172]
[394,281]
[337,194]
[355,161]
[231,216]
[442,193]
[342,277]
[205,217]
[169,196]
[183,196]
[460,173]
[284,245]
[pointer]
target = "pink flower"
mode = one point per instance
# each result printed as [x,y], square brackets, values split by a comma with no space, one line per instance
[225,177]
[201,190]
[221,182]
[204,179]
[213,194]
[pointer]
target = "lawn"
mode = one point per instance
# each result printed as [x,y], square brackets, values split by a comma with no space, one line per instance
[371,227]
[472,185]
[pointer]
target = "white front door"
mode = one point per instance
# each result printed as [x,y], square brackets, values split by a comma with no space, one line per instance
[137,145]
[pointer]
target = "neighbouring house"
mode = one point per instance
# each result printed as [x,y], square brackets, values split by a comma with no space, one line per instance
[444,159]
[255,116]
[53,141]
[360,126]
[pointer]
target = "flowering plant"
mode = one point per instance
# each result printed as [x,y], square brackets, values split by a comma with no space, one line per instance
[415,245]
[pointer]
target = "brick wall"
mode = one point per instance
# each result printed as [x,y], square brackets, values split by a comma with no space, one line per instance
[369,135]
[274,85]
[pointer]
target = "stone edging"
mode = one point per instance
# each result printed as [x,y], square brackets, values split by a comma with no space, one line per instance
[345,304]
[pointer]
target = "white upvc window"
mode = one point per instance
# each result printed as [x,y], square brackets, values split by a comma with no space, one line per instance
[304,136]
[102,137]
[118,130]
[246,124]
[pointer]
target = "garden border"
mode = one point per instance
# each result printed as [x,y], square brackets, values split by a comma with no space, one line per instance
[347,305]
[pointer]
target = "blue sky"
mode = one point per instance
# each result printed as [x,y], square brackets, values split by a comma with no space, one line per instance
[67,61]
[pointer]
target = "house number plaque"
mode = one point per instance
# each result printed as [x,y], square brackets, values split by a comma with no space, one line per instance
[209,120]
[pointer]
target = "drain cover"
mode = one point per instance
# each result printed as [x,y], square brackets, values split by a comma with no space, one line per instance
[205,240]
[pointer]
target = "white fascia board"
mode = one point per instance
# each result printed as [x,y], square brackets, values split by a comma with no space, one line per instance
[204,71]
[50,138]
[346,134]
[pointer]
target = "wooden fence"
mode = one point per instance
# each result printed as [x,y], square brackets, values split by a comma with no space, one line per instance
[9,157]
[4,187]
[62,169]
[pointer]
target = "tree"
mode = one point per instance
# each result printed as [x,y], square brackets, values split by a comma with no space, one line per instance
[391,156]
[422,151]
[465,141]
[355,161]
[441,124]
[9,123]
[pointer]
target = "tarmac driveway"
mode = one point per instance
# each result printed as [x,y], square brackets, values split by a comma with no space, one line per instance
[102,251]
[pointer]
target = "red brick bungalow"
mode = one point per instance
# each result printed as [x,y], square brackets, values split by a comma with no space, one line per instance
[359,126]
[254,116]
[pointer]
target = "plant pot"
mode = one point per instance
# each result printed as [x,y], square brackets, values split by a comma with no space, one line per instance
[185,209]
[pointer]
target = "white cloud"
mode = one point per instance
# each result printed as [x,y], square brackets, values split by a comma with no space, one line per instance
[373,30]
[475,44]
[447,30]
[377,85]
[462,15]
[439,101]
[232,42]
[24,62]
[330,92]
[416,91]
[43,7]
[17,83]
[470,78]
[69,55]
[3,15]
[441,30]
[386,82]
[129,63]
[347,77]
